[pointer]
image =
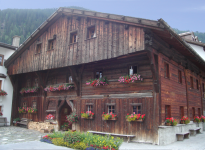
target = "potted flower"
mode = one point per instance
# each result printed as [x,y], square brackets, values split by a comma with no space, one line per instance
[32,110]
[16,120]
[50,117]
[22,110]
[197,119]
[170,122]
[29,90]
[97,82]
[65,126]
[3,93]
[1,114]
[184,120]
[109,116]
[202,118]
[87,115]
[61,87]
[135,117]
[72,118]
[130,78]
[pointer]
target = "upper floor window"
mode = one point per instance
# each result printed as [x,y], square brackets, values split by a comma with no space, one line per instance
[1,60]
[133,70]
[38,48]
[98,74]
[34,104]
[191,82]
[24,104]
[73,37]
[137,109]
[166,70]
[28,83]
[197,84]
[179,76]
[91,32]
[51,44]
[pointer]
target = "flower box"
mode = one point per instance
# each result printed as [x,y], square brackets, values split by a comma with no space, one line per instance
[182,122]
[168,124]
[138,120]
[29,90]
[87,118]
[3,93]
[59,87]
[109,119]
[97,82]
[130,78]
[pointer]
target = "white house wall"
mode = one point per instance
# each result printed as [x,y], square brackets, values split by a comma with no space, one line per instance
[199,50]
[6,101]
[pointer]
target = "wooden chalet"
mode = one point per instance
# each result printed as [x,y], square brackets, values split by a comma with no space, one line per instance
[73,46]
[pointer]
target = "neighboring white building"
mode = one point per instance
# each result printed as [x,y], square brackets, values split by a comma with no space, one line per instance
[194,42]
[5,84]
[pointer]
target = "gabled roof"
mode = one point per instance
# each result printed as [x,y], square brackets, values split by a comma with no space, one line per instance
[160,27]
[7,46]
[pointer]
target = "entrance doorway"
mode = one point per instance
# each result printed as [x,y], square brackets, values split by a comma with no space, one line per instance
[64,111]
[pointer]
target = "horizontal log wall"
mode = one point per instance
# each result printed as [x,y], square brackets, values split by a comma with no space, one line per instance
[112,70]
[112,40]
[142,130]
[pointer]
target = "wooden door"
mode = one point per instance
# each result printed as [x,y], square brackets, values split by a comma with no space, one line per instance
[65,110]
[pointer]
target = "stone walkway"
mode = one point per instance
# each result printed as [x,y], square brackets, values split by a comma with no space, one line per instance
[14,134]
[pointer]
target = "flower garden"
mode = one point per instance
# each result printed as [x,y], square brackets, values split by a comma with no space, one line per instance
[83,141]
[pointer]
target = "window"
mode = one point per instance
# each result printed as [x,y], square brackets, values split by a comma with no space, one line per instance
[179,76]
[1,60]
[197,84]
[24,104]
[167,111]
[181,111]
[51,44]
[90,108]
[199,112]
[0,84]
[203,90]
[136,109]
[28,83]
[36,82]
[132,70]
[166,70]
[193,112]
[98,74]
[38,48]
[91,32]
[191,82]
[0,108]
[111,108]
[34,105]
[70,79]
[73,37]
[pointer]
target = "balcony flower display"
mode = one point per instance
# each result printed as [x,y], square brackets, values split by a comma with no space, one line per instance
[3,93]
[130,78]
[29,90]
[87,115]
[202,118]
[170,122]
[197,119]
[22,110]
[32,110]
[50,117]
[97,82]
[109,116]
[61,87]
[185,120]
[135,117]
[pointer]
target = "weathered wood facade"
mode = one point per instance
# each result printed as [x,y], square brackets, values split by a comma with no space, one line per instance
[119,42]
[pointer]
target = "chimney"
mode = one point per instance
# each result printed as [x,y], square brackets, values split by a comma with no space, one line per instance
[16,41]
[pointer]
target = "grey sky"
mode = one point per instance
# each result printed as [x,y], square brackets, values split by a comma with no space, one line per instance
[181,14]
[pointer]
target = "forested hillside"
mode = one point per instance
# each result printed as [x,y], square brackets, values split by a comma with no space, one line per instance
[24,22]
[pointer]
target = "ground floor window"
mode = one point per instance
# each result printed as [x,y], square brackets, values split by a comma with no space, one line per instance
[181,111]
[111,108]
[167,111]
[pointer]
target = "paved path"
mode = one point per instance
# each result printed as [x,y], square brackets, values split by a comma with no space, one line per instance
[14,134]
[12,138]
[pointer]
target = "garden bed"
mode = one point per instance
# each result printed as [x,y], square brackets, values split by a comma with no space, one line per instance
[83,141]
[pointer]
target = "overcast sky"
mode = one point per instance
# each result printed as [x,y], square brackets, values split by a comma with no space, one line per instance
[180,14]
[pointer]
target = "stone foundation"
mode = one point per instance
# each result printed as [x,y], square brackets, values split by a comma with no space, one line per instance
[44,127]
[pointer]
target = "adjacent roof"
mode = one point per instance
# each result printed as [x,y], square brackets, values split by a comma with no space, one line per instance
[160,28]
[7,46]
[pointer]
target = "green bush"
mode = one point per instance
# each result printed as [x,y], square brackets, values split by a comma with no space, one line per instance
[73,137]
[174,123]
[187,121]
[60,142]
[56,135]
